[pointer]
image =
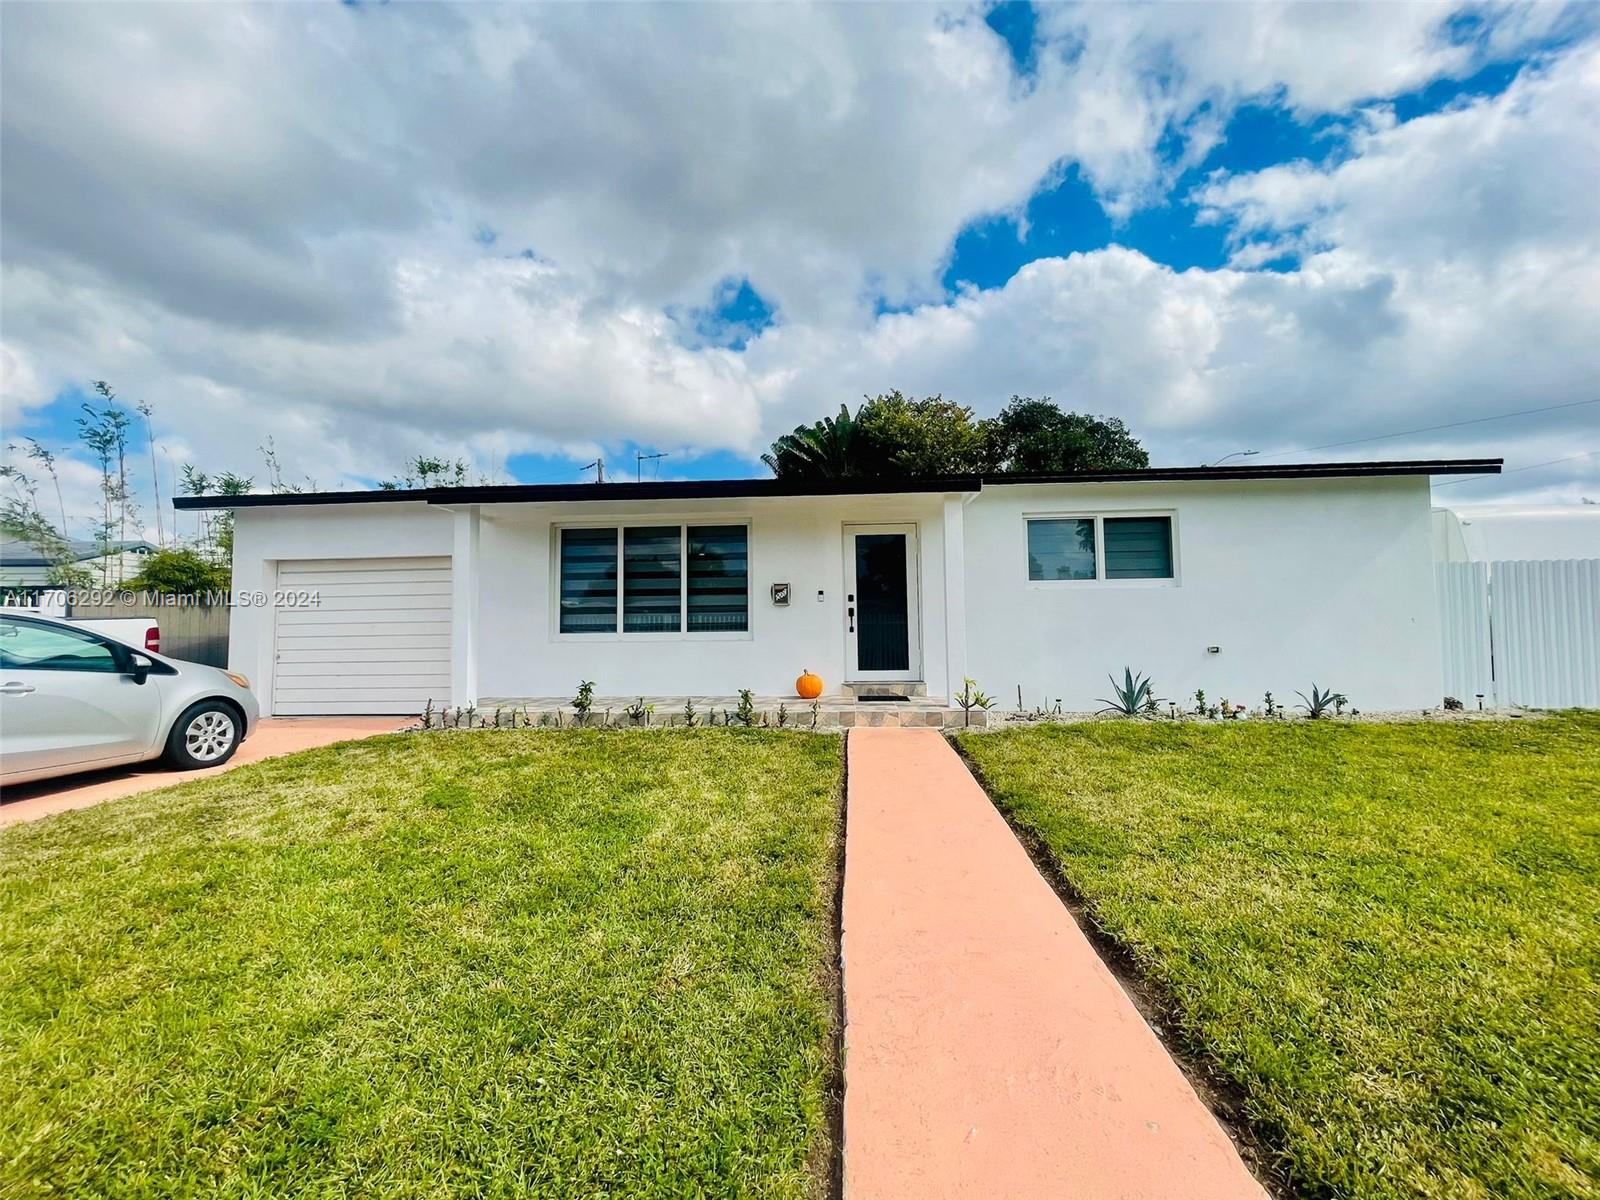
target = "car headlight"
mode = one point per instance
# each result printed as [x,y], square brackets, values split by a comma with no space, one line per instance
[238,679]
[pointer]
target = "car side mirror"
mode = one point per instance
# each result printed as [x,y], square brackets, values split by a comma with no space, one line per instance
[139,667]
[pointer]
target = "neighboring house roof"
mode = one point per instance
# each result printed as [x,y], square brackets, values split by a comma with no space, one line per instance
[709,489]
[24,554]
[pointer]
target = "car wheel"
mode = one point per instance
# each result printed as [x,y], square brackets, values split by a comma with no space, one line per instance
[206,735]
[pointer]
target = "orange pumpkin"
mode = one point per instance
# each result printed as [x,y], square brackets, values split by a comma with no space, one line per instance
[808,685]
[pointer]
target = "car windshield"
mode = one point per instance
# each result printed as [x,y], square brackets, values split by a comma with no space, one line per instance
[25,646]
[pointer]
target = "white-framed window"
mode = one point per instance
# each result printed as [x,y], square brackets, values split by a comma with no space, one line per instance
[678,579]
[1102,547]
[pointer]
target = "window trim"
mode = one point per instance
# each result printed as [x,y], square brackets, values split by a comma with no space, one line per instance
[682,634]
[1099,517]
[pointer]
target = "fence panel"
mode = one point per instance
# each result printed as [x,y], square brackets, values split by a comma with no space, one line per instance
[1546,618]
[193,632]
[1464,630]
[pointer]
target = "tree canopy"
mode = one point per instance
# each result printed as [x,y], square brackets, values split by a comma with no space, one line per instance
[1034,437]
[896,436]
[179,572]
[424,472]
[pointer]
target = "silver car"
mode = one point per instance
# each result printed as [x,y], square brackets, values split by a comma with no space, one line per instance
[74,700]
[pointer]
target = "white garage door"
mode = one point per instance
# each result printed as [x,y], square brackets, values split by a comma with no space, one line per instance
[377,640]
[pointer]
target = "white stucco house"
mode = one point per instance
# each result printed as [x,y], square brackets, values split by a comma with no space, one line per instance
[1236,579]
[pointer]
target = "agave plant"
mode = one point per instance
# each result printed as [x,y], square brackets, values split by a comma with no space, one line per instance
[1132,694]
[1319,702]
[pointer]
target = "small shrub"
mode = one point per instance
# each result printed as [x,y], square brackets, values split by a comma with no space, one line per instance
[1200,709]
[689,713]
[1317,704]
[783,715]
[816,712]
[1451,704]
[971,697]
[583,701]
[639,711]
[1131,695]
[746,714]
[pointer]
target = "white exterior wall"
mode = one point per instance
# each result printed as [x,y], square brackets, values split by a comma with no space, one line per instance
[512,621]
[795,541]
[1297,581]
[262,537]
[1326,581]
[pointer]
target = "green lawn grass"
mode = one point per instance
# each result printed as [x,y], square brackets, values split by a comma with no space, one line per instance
[1388,935]
[489,964]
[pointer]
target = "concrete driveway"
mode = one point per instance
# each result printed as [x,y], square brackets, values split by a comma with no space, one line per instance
[273,736]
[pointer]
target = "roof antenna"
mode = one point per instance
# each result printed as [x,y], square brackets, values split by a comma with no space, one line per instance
[638,464]
[598,466]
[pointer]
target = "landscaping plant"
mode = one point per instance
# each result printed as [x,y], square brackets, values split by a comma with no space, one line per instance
[971,697]
[583,701]
[1131,694]
[746,714]
[1317,704]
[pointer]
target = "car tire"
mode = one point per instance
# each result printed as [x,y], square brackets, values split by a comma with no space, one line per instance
[205,735]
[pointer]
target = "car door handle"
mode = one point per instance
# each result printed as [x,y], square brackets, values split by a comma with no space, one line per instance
[15,689]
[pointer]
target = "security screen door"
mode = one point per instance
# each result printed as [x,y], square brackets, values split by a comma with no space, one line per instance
[881,623]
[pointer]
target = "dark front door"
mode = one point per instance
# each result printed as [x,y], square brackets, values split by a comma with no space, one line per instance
[880,603]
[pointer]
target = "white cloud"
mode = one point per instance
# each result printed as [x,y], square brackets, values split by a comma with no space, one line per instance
[1472,184]
[21,386]
[1457,277]
[261,219]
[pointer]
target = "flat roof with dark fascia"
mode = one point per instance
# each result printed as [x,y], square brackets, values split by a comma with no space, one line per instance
[726,489]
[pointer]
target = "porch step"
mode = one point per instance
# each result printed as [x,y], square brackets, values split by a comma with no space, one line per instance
[854,691]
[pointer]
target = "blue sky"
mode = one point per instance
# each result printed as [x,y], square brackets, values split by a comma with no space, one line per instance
[1265,226]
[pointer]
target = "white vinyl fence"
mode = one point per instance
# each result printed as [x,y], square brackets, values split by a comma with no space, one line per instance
[1522,633]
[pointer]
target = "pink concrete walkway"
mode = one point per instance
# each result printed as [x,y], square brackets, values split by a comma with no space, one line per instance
[988,1050]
